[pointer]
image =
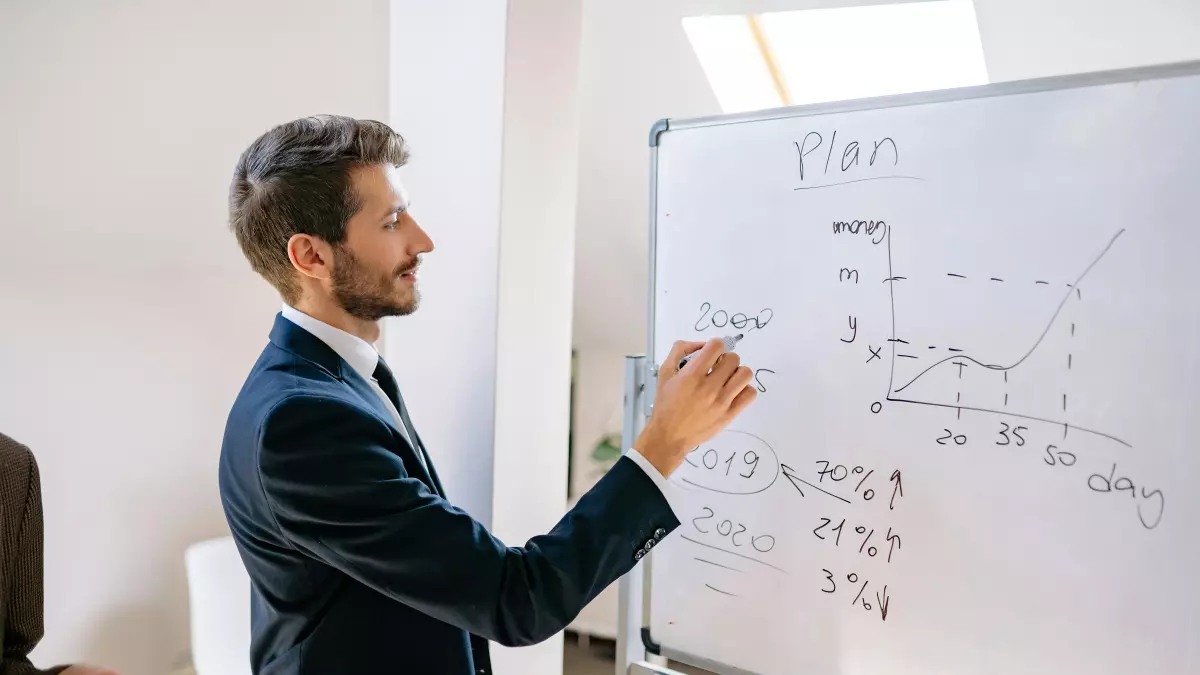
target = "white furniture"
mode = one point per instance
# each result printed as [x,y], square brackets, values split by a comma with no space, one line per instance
[219,599]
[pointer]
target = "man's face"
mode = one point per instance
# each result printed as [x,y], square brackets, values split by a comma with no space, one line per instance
[375,269]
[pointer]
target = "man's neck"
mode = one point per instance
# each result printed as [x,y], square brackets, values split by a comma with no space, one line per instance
[330,313]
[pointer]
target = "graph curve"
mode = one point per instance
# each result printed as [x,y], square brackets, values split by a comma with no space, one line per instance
[1042,337]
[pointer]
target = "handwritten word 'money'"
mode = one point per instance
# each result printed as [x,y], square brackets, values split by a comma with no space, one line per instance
[849,159]
[876,230]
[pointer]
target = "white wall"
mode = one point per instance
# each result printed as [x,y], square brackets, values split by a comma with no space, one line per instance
[1038,38]
[128,317]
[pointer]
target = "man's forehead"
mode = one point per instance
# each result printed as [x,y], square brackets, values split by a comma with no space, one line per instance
[380,186]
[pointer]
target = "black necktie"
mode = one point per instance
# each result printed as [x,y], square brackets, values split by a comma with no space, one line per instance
[387,382]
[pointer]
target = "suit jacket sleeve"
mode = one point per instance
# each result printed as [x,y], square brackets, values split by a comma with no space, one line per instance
[341,495]
[23,605]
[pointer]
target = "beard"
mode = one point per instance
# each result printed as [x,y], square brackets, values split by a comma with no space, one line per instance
[370,297]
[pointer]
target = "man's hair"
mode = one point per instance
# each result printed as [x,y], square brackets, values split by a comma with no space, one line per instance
[295,179]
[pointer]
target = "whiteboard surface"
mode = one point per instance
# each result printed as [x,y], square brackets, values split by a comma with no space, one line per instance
[1032,510]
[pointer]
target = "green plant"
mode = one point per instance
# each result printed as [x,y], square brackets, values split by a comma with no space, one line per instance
[607,450]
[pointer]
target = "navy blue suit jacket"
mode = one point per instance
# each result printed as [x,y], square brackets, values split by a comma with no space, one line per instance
[359,565]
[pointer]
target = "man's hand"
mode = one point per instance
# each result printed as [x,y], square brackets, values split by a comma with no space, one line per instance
[83,669]
[693,404]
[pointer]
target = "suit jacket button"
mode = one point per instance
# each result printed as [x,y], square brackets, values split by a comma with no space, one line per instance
[649,545]
[660,533]
[640,554]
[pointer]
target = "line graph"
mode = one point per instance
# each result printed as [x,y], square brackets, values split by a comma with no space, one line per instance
[962,358]
[1038,342]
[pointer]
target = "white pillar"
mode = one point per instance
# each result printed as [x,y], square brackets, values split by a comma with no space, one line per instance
[486,92]
[447,98]
[536,288]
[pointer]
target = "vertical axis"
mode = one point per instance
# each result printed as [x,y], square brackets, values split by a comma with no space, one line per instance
[892,297]
[1070,358]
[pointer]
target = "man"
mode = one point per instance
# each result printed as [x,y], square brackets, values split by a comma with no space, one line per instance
[359,564]
[21,572]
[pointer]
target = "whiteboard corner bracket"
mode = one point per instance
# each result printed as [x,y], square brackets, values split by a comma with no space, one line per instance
[648,642]
[657,130]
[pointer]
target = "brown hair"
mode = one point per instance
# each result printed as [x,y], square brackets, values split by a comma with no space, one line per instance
[295,179]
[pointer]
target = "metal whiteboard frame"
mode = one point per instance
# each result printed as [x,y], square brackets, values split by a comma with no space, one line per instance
[644,387]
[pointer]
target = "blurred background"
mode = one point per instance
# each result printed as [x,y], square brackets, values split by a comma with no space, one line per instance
[129,318]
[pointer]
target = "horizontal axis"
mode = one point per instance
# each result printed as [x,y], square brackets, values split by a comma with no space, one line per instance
[1005,413]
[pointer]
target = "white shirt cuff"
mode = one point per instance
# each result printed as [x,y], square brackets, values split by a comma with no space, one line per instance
[664,486]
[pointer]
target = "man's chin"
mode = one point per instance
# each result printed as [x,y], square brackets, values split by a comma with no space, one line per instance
[383,308]
[408,305]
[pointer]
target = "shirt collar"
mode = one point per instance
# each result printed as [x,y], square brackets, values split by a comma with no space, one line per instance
[354,350]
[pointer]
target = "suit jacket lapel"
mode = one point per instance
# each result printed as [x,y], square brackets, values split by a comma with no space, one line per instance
[292,338]
[368,394]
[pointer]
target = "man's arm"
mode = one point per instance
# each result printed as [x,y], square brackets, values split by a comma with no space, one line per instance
[342,496]
[23,604]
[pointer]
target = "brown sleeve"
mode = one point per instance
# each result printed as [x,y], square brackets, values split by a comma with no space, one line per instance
[23,626]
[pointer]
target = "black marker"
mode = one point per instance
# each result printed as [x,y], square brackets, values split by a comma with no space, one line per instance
[730,342]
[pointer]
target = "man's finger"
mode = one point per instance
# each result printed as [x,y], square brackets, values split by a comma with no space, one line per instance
[738,381]
[706,358]
[679,350]
[744,398]
[727,365]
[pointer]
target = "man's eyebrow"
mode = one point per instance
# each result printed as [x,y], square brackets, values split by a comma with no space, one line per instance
[397,209]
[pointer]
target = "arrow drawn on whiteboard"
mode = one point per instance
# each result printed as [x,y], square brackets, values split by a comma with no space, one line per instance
[790,474]
[787,473]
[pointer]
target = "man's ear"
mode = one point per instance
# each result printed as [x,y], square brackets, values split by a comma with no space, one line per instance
[310,256]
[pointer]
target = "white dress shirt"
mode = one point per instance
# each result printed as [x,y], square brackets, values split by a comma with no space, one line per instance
[363,358]
[357,352]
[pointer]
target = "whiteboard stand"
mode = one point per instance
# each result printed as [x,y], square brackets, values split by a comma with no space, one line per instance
[636,655]
[630,596]
[632,658]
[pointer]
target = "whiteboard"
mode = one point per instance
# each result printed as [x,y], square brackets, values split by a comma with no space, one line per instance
[973,317]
